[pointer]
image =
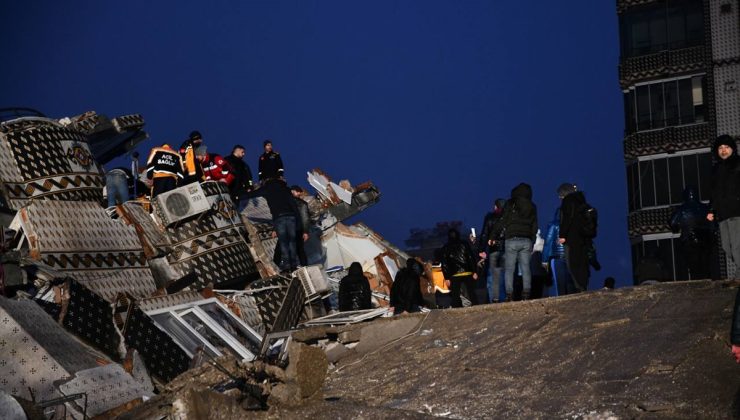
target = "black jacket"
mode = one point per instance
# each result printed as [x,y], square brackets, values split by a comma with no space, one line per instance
[489,221]
[279,199]
[242,182]
[456,256]
[519,219]
[304,225]
[735,332]
[270,166]
[725,201]
[406,292]
[572,218]
[691,220]
[354,290]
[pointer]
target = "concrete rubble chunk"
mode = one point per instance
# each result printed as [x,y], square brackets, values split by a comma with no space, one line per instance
[335,351]
[375,335]
[307,368]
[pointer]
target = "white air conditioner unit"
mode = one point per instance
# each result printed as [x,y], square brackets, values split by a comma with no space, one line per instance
[313,279]
[181,203]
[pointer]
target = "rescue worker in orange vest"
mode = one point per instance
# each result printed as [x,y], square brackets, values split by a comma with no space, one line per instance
[164,168]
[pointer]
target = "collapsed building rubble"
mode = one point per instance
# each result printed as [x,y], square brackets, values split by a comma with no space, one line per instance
[146,291]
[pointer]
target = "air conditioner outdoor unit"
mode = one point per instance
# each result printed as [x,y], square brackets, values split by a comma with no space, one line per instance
[181,203]
[313,279]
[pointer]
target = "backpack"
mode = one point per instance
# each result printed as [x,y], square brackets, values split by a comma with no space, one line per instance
[590,220]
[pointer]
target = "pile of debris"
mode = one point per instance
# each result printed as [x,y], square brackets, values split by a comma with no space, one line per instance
[110,306]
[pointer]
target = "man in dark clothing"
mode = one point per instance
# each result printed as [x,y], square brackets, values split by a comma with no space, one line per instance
[284,217]
[696,233]
[406,292]
[242,182]
[495,252]
[164,168]
[518,225]
[725,199]
[577,244]
[301,233]
[270,163]
[354,290]
[458,266]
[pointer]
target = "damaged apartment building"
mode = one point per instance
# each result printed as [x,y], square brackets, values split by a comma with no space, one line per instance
[101,308]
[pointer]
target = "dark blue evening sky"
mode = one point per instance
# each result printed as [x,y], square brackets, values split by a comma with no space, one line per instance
[445,105]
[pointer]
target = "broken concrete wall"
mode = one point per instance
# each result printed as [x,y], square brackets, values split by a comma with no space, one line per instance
[42,159]
[213,246]
[78,238]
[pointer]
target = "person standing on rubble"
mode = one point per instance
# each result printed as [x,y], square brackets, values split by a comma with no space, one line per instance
[458,266]
[577,234]
[553,253]
[690,219]
[354,290]
[285,218]
[214,167]
[270,163]
[242,183]
[301,234]
[164,168]
[725,197]
[518,225]
[494,253]
[406,290]
[191,167]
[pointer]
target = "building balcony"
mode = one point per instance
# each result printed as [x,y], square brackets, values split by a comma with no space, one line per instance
[667,140]
[662,64]
[649,221]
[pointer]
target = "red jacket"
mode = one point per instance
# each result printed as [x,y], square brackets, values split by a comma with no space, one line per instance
[215,168]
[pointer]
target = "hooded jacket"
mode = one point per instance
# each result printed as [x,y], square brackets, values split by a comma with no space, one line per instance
[456,256]
[691,220]
[488,222]
[279,199]
[354,290]
[572,219]
[406,291]
[519,219]
[725,200]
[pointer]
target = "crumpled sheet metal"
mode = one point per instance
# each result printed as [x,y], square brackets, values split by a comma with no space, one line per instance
[35,351]
[107,387]
[43,159]
[78,238]
[214,245]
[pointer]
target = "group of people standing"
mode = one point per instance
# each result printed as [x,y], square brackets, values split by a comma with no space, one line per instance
[508,243]
[293,212]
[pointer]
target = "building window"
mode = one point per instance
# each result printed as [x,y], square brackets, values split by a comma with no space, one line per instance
[661,181]
[660,26]
[662,104]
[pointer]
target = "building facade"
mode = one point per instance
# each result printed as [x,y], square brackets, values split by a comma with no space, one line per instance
[679,72]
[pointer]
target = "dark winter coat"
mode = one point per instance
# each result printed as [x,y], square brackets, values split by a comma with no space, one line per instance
[489,221]
[279,199]
[304,224]
[456,256]
[725,200]
[242,177]
[270,166]
[354,290]
[406,292]
[519,219]
[572,219]
[691,220]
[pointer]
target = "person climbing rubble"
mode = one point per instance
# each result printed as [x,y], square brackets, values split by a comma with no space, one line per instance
[354,290]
